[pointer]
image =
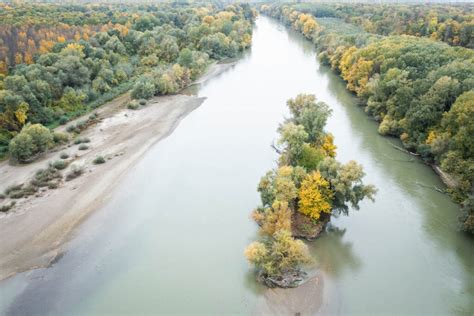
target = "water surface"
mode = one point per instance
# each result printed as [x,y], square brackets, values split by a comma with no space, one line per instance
[171,239]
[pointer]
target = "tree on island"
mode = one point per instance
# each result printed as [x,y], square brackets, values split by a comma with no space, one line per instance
[301,195]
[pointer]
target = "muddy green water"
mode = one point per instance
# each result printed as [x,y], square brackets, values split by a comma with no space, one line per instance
[170,240]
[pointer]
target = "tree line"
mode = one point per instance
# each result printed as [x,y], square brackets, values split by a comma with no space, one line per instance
[300,195]
[151,50]
[453,24]
[419,90]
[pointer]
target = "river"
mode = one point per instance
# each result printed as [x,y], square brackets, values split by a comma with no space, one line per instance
[171,238]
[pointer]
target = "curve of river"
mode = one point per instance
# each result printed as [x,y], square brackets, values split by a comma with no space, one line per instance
[171,238]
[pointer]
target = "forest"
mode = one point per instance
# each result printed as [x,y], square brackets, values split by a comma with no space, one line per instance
[453,24]
[60,61]
[420,90]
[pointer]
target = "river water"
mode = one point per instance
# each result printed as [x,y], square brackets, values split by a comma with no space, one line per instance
[171,239]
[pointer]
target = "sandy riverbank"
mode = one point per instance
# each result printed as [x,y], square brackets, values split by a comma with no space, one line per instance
[36,228]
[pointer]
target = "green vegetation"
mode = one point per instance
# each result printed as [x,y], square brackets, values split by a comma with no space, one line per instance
[60,164]
[453,24]
[32,141]
[83,147]
[98,160]
[60,61]
[75,172]
[299,197]
[420,90]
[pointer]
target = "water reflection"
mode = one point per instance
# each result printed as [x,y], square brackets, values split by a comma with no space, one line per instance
[334,255]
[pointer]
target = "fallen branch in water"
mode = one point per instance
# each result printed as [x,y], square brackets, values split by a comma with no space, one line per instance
[431,187]
[403,150]
[401,160]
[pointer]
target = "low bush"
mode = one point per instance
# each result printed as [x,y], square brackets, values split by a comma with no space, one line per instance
[30,142]
[99,160]
[64,156]
[78,141]
[5,208]
[142,102]
[83,147]
[44,177]
[2,196]
[60,137]
[75,172]
[23,192]
[63,120]
[71,128]
[59,164]
[12,188]
[133,105]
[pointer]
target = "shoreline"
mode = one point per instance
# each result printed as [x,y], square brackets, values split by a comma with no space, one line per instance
[38,226]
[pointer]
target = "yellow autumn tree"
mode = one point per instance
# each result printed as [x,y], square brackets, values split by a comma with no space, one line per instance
[276,218]
[328,145]
[315,196]
[21,112]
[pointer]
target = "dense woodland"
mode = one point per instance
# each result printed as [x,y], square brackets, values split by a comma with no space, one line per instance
[453,24]
[299,197]
[419,89]
[61,61]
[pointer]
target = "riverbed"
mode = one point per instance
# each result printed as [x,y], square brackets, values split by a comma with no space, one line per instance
[171,238]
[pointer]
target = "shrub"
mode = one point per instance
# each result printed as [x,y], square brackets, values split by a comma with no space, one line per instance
[71,128]
[143,89]
[60,138]
[30,142]
[63,120]
[81,125]
[59,164]
[2,196]
[86,140]
[142,102]
[94,116]
[5,208]
[133,105]
[13,188]
[83,147]
[99,160]
[75,172]
[64,156]
[27,191]
[44,177]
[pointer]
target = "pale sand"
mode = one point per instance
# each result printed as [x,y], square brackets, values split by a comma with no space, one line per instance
[307,299]
[33,232]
